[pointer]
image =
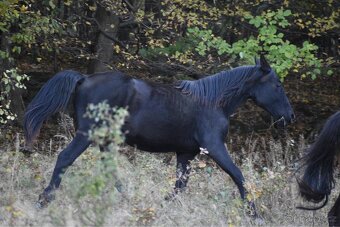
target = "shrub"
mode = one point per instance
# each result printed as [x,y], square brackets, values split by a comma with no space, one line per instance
[10,80]
[91,187]
[284,56]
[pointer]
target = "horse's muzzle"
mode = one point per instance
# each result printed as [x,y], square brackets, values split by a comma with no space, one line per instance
[282,122]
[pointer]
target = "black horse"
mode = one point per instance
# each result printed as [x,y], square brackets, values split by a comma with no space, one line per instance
[317,181]
[181,117]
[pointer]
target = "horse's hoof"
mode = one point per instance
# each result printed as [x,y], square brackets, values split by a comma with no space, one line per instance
[259,221]
[170,196]
[44,200]
[26,151]
[39,205]
[173,195]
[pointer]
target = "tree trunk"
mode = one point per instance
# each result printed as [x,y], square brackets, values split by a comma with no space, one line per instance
[108,23]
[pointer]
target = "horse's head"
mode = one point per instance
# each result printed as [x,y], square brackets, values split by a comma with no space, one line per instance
[268,93]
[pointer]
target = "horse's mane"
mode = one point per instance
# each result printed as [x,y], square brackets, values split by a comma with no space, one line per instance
[218,89]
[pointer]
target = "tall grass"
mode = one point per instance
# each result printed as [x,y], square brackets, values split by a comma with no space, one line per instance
[211,198]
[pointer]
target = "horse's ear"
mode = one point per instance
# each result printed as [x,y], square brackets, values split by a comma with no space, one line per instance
[265,67]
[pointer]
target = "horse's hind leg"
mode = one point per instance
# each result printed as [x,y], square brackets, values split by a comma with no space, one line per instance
[78,145]
[182,172]
[334,214]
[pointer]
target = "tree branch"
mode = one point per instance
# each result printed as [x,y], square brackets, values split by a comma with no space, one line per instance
[172,69]
[105,33]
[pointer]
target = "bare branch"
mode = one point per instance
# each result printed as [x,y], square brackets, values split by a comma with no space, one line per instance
[105,33]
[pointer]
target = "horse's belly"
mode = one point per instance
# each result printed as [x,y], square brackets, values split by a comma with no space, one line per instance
[154,127]
[154,145]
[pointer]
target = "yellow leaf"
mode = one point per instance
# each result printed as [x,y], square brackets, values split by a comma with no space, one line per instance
[202,164]
[23,8]
[92,8]
[9,208]
[68,3]
[37,177]
[17,213]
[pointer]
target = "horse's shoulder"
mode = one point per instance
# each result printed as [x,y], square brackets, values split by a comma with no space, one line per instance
[213,117]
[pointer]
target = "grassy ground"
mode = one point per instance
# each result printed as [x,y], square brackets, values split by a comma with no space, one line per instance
[211,198]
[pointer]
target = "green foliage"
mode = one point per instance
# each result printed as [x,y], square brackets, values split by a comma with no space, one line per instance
[284,56]
[94,183]
[10,80]
[206,42]
[108,123]
[32,29]
[24,30]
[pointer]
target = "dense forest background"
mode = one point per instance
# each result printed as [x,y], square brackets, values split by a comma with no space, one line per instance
[165,41]
[161,40]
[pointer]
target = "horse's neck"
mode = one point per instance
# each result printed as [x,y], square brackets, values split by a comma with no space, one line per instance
[234,103]
[224,89]
[238,96]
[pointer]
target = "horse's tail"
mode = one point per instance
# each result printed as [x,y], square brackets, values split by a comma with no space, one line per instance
[318,180]
[52,98]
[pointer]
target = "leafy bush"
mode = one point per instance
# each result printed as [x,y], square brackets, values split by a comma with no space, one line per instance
[284,56]
[10,80]
[24,31]
[32,29]
[91,187]
[109,121]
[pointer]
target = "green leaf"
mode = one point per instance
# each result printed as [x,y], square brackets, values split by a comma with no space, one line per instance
[329,72]
[317,71]
[287,13]
[51,4]
[257,23]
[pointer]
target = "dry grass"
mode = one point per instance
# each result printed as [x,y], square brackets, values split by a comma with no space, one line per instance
[211,198]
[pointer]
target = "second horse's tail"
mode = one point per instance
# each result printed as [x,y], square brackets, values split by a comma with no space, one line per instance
[52,98]
[318,180]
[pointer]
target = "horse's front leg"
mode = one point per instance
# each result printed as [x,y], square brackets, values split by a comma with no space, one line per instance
[220,155]
[334,214]
[218,152]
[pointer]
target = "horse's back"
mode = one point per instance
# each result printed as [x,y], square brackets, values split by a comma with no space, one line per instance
[110,86]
